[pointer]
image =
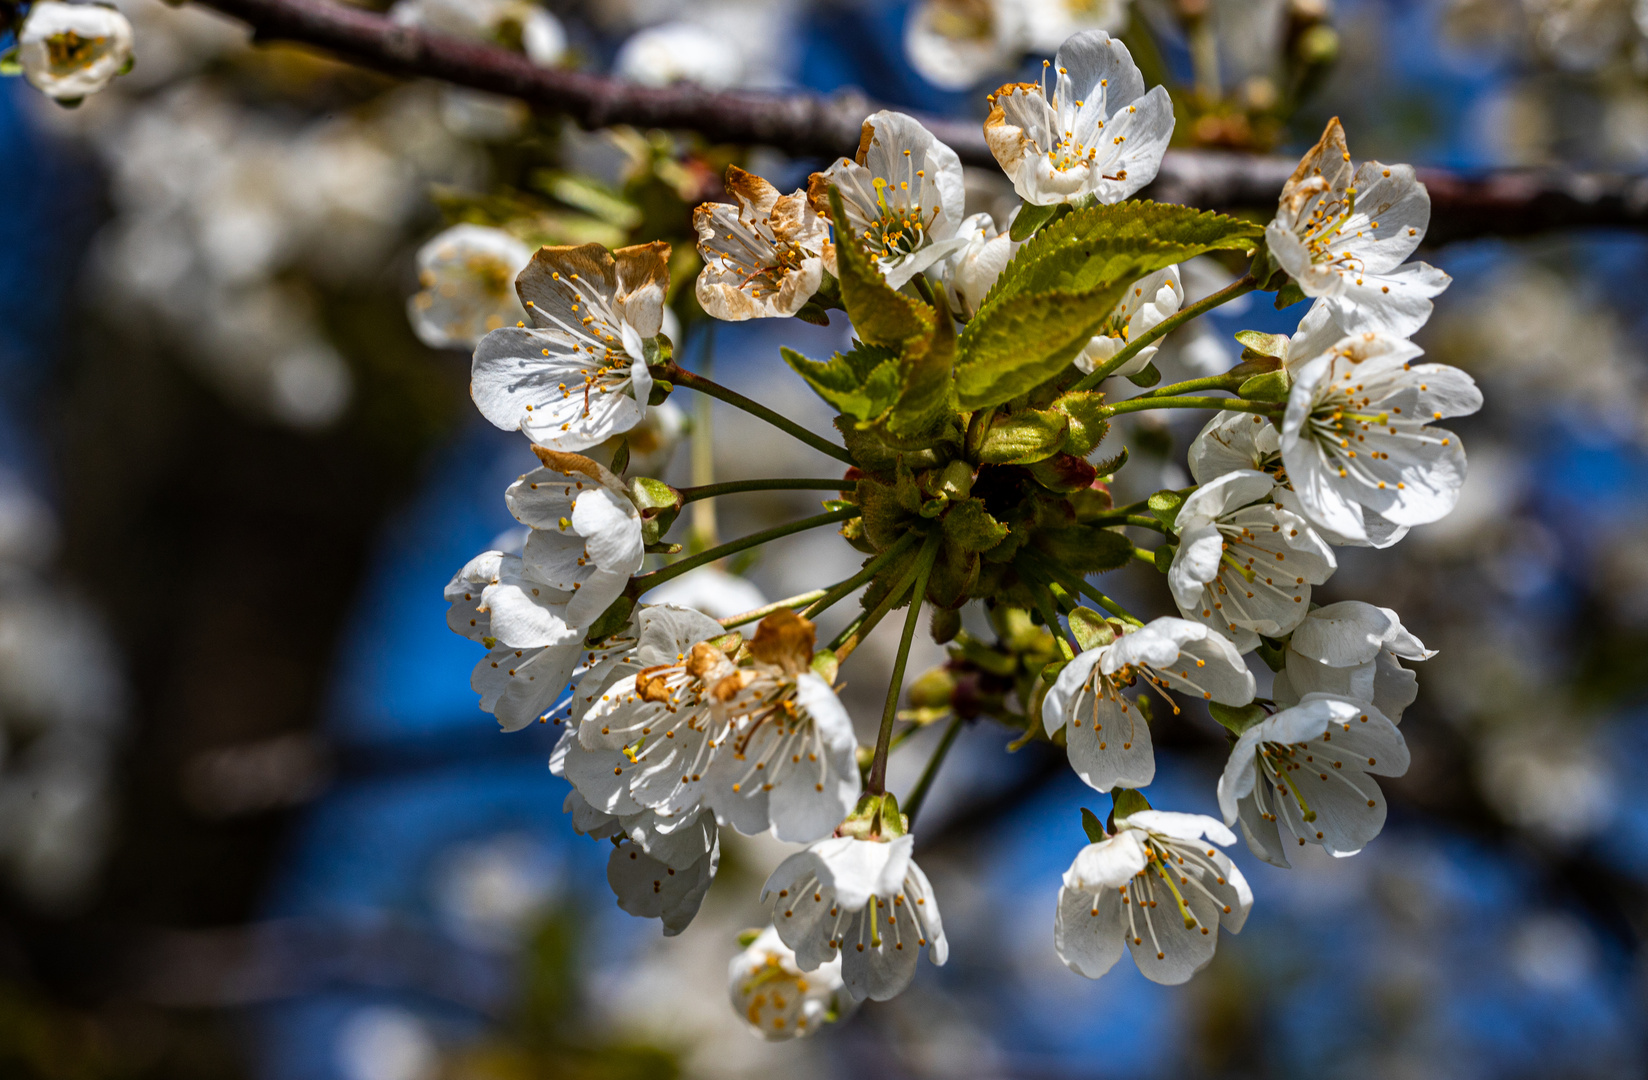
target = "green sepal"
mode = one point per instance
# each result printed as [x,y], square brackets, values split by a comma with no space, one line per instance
[9,64]
[746,938]
[1288,295]
[1024,437]
[1064,473]
[659,504]
[1146,376]
[1093,827]
[812,313]
[1030,219]
[1253,341]
[1165,505]
[944,624]
[825,665]
[1272,652]
[656,547]
[610,621]
[1092,630]
[1125,802]
[876,817]
[1164,557]
[1237,718]
[660,391]
[1271,386]
[620,456]
[1088,427]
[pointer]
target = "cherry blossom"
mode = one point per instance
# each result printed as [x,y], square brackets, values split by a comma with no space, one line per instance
[1351,649]
[765,256]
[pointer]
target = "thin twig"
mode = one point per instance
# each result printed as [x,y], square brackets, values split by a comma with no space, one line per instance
[1504,203]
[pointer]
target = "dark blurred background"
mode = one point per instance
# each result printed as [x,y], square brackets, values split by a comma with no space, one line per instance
[252,823]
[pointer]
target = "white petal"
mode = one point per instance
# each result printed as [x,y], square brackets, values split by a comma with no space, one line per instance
[1089,930]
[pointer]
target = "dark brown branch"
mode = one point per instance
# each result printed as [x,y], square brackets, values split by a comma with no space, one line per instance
[1495,204]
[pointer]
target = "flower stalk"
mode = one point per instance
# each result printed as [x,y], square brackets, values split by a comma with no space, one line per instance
[877,783]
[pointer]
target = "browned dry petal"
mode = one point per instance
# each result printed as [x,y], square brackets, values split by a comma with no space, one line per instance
[563,462]
[642,267]
[1325,167]
[785,640]
[1007,141]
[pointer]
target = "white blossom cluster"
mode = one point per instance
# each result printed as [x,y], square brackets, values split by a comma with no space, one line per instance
[677,728]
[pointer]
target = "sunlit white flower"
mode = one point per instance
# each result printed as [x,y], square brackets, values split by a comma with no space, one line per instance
[1150,301]
[1156,885]
[764,745]
[763,257]
[586,531]
[531,649]
[865,901]
[1354,437]
[1106,736]
[1232,441]
[680,52]
[776,998]
[1351,649]
[521,23]
[903,194]
[1307,774]
[1047,23]
[1101,135]
[1343,234]
[578,374]
[667,878]
[71,51]
[1245,564]
[969,273]
[468,278]
[955,43]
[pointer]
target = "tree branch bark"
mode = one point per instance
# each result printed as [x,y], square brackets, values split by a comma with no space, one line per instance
[1506,203]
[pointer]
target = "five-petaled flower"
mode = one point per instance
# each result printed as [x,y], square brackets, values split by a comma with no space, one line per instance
[468,278]
[1351,649]
[776,998]
[1307,772]
[71,51]
[579,373]
[1245,565]
[1157,886]
[763,257]
[863,900]
[902,193]
[1150,301]
[1107,737]
[1100,135]
[1343,234]
[1356,435]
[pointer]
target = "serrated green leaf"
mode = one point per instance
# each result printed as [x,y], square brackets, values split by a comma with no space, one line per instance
[1015,345]
[969,527]
[1112,465]
[1079,250]
[928,392]
[863,383]
[1029,220]
[881,315]
[1025,437]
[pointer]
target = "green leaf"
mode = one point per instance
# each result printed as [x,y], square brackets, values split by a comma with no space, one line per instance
[1093,827]
[1025,437]
[927,394]
[880,314]
[969,527]
[1014,345]
[1165,505]
[1091,245]
[1083,550]
[864,383]
[1029,220]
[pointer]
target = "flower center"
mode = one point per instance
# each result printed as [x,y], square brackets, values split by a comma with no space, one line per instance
[69,51]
